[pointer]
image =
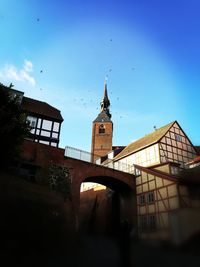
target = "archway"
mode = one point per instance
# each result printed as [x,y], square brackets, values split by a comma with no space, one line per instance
[103,209]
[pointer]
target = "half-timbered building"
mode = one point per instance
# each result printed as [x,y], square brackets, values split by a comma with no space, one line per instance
[45,120]
[168,195]
[168,205]
[166,144]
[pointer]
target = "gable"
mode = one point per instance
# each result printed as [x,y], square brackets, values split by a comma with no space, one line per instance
[144,141]
[176,146]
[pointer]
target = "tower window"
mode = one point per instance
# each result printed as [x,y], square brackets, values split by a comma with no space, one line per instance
[101,129]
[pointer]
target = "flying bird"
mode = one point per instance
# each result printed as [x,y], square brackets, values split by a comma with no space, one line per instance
[41,71]
[38,19]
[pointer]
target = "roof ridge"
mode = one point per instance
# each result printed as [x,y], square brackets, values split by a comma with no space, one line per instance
[41,102]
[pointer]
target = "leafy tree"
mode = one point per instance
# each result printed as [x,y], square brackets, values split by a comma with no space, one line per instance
[60,180]
[13,127]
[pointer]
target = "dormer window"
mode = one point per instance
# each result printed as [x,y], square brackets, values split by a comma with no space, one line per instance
[101,129]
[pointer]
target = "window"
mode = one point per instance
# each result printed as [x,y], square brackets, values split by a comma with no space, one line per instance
[150,197]
[152,222]
[44,142]
[137,172]
[143,222]
[33,130]
[174,170]
[178,138]
[147,222]
[56,126]
[141,199]
[45,133]
[39,123]
[101,129]
[55,135]
[53,144]
[32,121]
[46,125]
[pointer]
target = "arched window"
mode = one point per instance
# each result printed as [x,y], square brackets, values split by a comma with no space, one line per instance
[101,129]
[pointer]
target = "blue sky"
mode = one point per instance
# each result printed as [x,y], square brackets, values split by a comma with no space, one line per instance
[149,50]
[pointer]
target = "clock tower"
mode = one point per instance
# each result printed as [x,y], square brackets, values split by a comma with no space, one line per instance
[102,129]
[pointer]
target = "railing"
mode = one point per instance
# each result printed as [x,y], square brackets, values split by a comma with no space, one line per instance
[78,154]
[88,157]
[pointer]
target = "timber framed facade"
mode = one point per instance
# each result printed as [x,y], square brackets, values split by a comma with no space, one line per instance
[45,120]
[166,144]
[168,205]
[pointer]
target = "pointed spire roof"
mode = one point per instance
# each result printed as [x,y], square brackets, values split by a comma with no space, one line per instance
[104,115]
[105,102]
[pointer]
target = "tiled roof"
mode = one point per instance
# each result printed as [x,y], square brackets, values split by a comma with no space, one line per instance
[41,108]
[145,141]
[157,173]
[186,176]
[102,117]
[194,160]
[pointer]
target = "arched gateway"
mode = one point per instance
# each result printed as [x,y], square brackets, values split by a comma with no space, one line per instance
[43,156]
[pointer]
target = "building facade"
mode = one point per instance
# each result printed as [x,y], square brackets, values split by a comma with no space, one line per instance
[166,144]
[167,189]
[45,120]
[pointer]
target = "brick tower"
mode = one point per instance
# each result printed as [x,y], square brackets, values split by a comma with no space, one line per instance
[102,129]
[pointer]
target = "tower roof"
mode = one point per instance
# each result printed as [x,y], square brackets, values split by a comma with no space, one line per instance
[105,102]
[104,115]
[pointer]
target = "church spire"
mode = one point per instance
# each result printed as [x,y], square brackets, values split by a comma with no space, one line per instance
[105,102]
[102,129]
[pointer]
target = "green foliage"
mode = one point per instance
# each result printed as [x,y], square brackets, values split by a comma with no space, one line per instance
[60,180]
[13,127]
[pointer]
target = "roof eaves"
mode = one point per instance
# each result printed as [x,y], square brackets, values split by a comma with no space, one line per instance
[134,151]
[157,173]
